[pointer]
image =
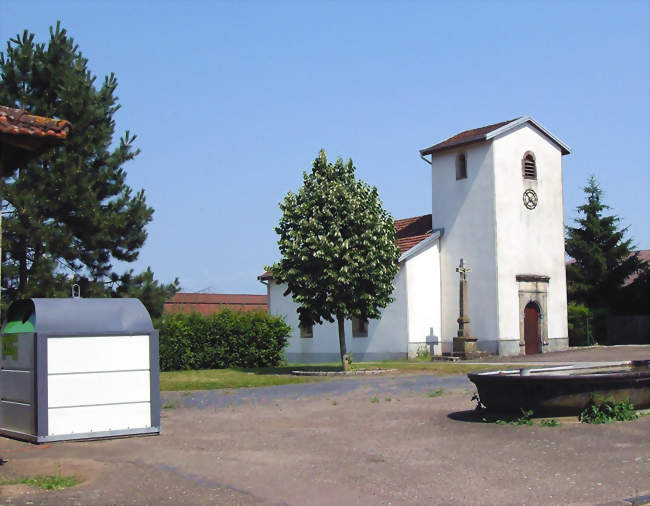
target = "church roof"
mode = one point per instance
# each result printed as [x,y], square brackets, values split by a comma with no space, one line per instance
[490,131]
[412,231]
[409,232]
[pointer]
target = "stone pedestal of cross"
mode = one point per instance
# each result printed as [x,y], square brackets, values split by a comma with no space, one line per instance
[464,342]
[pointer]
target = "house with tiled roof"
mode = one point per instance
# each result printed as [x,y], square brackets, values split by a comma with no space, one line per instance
[210,303]
[497,204]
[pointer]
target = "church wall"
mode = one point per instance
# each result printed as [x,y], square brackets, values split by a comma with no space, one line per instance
[465,210]
[423,282]
[529,241]
[387,337]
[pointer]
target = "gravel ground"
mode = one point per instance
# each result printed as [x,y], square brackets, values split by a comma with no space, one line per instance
[367,441]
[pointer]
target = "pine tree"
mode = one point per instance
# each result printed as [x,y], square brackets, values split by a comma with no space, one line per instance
[604,258]
[70,209]
[144,286]
[338,248]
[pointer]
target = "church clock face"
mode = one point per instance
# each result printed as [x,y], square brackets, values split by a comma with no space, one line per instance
[530,199]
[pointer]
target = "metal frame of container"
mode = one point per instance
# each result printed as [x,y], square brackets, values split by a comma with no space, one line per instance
[93,324]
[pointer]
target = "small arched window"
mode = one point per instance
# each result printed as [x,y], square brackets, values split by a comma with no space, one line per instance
[461,166]
[529,166]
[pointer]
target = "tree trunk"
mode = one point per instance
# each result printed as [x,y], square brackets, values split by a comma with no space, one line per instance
[22,269]
[345,360]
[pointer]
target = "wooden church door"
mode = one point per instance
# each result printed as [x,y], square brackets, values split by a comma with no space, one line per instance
[531,328]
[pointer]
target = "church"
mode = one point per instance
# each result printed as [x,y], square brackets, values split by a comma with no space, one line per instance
[497,205]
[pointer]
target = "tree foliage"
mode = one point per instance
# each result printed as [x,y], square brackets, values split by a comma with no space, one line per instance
[143,286]
[578,323]
[338,248]
[70,208]
[604,257]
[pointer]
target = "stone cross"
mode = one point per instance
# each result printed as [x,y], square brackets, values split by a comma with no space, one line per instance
[463,319]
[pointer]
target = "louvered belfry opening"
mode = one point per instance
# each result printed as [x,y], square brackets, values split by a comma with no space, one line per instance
[530,169]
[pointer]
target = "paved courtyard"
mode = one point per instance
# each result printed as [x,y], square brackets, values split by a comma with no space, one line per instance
[402,439]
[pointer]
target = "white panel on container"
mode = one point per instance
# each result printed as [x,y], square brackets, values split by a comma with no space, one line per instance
[105,353]
[98,418]
[85,389]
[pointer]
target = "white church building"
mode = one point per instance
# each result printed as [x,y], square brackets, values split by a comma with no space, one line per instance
[497,204]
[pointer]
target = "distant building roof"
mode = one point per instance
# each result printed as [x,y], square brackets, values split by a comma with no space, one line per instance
[488,132]
[408,233]
[209,303]
[644,256]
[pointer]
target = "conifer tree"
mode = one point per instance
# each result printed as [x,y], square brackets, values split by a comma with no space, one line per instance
[145,287]
[604,258]
[70,209]
[338,248]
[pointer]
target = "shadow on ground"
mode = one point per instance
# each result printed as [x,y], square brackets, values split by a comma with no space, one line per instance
[470,415]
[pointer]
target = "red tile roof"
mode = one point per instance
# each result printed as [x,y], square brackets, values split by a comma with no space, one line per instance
[474,135]
[408,233]
[411,231]
[209,303]
[644,256]
[20,123]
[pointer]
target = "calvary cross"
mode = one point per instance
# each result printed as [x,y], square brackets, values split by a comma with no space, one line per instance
[463,270]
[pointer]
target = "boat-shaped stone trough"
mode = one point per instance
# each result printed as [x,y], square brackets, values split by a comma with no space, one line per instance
[564,390]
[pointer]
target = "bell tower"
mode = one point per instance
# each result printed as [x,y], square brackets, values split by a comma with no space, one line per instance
[497,198]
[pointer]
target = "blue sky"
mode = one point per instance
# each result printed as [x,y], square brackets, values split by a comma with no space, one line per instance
[231,101]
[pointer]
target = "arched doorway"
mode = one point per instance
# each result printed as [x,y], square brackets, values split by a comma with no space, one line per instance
[531,328]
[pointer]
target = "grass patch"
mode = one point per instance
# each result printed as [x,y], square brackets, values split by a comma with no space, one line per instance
[435,393]
[374,400]
[46,482]
[234,377]
[549,422]
[210,379]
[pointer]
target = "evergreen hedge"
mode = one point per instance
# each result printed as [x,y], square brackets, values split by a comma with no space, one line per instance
[224,339]
[577,316]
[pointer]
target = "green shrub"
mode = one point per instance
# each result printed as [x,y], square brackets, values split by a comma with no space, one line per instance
[224,339]
[423,353]
[608,411]
[577,316]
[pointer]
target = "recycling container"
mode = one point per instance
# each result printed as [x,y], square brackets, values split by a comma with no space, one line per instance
[78,368]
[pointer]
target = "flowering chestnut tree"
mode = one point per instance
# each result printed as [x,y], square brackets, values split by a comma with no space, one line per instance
[338,248]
